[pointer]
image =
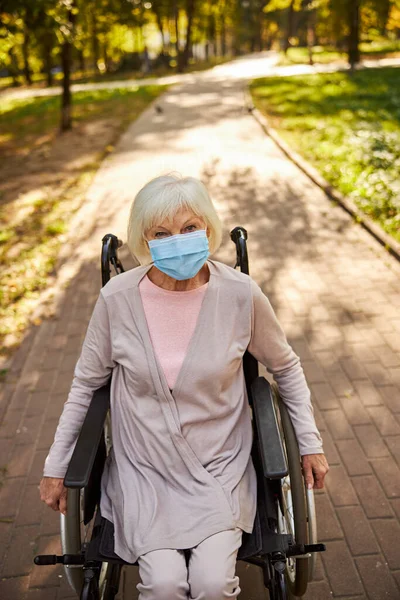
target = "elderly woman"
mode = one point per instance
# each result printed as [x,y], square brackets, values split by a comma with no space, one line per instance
[172,332]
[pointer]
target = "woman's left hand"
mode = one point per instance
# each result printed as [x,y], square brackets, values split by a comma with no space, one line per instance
[315,467]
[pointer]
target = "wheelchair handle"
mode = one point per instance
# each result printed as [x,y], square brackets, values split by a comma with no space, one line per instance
[239,237]
[109,256]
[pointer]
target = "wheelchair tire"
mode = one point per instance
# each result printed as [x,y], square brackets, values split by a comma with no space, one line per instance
[293,514]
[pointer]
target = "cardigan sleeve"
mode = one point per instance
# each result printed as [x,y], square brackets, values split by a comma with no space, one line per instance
[92,371]
[269,346]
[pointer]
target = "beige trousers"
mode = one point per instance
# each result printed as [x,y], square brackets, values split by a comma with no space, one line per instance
[208,575]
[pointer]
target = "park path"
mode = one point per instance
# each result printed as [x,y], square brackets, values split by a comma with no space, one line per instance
[335,290]
[263,64]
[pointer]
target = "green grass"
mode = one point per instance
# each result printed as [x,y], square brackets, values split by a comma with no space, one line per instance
[324,54]
[32,225]
[348,126]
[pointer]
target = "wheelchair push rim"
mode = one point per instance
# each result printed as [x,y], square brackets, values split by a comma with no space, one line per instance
[297,509]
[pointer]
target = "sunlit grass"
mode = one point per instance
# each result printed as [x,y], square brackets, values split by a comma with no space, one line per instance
[326,54]
[32,225]
[348,126]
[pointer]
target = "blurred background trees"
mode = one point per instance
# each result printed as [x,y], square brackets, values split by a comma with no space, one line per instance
[42,41]
[110,35]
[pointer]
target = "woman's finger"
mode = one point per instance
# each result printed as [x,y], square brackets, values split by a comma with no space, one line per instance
[63,502]
[308,476]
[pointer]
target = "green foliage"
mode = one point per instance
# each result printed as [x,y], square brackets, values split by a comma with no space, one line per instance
[349,127]
[33,224]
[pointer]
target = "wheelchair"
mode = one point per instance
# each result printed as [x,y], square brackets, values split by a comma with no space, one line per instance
[284,538]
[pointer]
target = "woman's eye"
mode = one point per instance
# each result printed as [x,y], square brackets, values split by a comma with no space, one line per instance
[190,228]
[159,234]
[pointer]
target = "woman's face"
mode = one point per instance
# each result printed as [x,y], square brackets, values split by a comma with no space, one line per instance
[184,221]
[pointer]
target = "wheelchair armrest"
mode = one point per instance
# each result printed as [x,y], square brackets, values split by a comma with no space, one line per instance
[269,438]
[80,467]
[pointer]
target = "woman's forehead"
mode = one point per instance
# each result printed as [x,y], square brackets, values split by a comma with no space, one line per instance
[180,217]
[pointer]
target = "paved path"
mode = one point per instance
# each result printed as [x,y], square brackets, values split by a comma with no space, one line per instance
[335,291]
[263,63]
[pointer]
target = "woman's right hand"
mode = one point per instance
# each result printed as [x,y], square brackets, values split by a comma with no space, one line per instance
[54,493]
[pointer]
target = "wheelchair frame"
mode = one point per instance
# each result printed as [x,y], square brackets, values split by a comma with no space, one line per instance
[283,542]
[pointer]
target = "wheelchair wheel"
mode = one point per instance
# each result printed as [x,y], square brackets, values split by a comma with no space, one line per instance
[75,534]
[297,511]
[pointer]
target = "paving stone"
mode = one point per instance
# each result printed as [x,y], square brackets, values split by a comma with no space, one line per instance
[393,340]
[19,398]
[387,532]
[377,373]
[318,590]
[37,403]
[376,578]
[56,404]
[47,433]
[396,507]
[30,507]
[28,430]
[393,443]
[324,396]
[387,356]
[372,497]
[391,397]
[50,522]
[340,488]
[20,461]
[354,410]
[45,576]
[6,527]
[36,471]
[353,368]
[6,448]
[328,525]
[331,453]
[42,594]
[371,441]
[384,421]
[9,425]
[13,588]
[20,552]
[394,376]
[10,491]
[342,574]
[388,474]
[396,575]
[368,394]
[338,425]
[313,372]
[357,530]
[353,457]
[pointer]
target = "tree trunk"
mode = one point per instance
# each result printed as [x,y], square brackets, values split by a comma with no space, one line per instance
[223,36]
[25,54]
[289,26]
[14,67]
[354,36]
[66,56]
[48,64]
[82,62]
[95,43]
[176,24]
[190,8]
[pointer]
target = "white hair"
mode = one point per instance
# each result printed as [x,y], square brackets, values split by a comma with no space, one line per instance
[161,199]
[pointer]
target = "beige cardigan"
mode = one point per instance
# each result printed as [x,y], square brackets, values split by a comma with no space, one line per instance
[180,468]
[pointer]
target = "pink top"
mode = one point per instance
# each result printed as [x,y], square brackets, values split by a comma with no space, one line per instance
[171,319]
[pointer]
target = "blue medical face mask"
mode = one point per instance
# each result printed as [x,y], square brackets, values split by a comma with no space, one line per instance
[180,256]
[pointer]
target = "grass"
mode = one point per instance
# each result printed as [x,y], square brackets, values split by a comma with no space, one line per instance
[348,126]
[39,80]
[325,54]
[33,224]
